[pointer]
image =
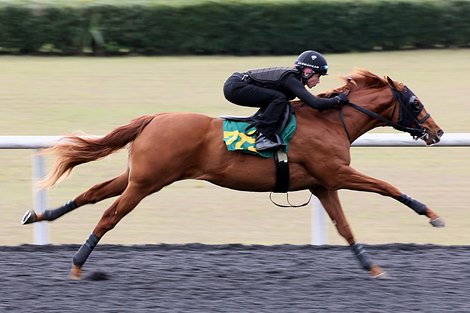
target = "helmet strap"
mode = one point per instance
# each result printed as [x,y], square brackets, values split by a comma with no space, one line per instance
[306,77]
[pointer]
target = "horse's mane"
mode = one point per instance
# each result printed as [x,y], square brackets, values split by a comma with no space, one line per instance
[358,79]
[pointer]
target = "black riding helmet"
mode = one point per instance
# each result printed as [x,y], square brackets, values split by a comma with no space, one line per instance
[314,60]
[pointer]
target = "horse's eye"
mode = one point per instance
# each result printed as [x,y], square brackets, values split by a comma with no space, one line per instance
[415,104]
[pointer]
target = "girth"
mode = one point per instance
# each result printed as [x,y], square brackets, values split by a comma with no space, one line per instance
[282,171]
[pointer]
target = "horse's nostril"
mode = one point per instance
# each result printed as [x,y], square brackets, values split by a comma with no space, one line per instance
[440,132]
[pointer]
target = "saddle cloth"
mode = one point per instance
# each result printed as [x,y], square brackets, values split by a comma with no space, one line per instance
[241,136]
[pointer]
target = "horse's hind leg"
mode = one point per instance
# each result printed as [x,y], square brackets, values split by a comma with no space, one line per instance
[129,199]
[332,205]
[99,192]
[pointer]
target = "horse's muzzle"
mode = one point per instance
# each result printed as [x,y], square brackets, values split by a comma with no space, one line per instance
[433,138]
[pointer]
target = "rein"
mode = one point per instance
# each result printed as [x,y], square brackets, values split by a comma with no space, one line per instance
[417,132]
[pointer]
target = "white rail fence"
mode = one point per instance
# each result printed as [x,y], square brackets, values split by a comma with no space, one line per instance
[318,235]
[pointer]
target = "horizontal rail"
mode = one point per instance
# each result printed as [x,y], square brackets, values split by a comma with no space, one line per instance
[318,235]
[366,140]
[405,140]
[27,142]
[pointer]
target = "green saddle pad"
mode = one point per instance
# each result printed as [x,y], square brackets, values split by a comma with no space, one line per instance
[238,136]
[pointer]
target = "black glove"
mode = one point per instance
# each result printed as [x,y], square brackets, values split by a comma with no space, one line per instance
[340,99]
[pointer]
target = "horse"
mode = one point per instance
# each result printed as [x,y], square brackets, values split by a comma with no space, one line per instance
[168,147]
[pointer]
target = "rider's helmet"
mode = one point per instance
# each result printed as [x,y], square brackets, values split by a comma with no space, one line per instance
[314,60]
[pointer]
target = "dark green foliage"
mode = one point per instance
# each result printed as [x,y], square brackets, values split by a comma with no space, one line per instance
[233,27]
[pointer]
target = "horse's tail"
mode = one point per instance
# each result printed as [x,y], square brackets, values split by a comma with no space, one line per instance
[74,150]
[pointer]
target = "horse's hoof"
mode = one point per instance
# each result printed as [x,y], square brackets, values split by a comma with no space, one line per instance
[75,273]
[378,273]
[29,217]
[437,222]
[382,276]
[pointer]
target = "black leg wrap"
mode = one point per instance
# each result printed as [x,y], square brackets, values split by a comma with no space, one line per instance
[83,253]
[50,215]
[417,206]
[362,256]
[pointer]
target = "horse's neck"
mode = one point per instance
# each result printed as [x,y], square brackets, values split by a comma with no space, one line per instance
[359,123]
[350,122]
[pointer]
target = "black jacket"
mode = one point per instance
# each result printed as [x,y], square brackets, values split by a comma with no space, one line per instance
[288,81]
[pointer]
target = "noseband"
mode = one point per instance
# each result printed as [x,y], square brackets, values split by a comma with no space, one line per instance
[407,121]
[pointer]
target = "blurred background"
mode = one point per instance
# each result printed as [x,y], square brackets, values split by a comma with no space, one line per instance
[90,66]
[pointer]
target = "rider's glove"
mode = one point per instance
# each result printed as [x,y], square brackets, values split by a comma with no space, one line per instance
[341,98]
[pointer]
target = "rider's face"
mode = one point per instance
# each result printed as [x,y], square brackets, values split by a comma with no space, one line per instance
[313,81]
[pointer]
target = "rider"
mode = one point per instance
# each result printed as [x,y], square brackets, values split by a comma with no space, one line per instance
[272,88]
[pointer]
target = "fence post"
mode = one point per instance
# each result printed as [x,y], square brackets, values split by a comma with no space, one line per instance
[318,224]
[41,230]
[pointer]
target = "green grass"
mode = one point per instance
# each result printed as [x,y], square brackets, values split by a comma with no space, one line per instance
[56,96]
[78,3]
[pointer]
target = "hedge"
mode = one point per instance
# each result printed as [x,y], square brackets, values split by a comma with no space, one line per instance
[236,27]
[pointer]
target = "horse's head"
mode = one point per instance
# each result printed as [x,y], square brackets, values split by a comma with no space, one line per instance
[392,103]
[412,116]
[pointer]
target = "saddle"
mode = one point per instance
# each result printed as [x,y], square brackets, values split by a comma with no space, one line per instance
[253,119]
[280,156]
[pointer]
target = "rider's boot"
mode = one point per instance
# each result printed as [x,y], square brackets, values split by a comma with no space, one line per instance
[263,143]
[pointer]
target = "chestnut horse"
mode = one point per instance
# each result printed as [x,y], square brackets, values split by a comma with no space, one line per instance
[168,147]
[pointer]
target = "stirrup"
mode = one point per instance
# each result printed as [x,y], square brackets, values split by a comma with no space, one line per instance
[262,143]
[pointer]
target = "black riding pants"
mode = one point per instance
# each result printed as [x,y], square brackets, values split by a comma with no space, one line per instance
[272,102]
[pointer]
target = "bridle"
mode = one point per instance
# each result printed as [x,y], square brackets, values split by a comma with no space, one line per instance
[410,109]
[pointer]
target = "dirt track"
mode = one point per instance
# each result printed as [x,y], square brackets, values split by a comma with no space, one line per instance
[234,278]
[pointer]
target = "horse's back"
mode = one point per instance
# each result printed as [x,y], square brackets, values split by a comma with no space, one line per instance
[174,137]
[176,130]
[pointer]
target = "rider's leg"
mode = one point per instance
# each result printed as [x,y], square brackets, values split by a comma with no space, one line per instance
[271,116]
[272,102]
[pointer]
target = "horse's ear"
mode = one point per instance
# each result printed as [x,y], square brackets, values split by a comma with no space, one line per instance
[349,80]
[391,82]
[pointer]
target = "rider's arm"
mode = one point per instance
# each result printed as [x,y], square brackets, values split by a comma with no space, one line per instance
[295,86]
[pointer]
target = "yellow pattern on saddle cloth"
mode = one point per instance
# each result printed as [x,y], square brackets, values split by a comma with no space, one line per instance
[240,136]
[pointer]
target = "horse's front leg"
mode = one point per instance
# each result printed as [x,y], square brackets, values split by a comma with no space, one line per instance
[349,178]
[97,193]
[330,201]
